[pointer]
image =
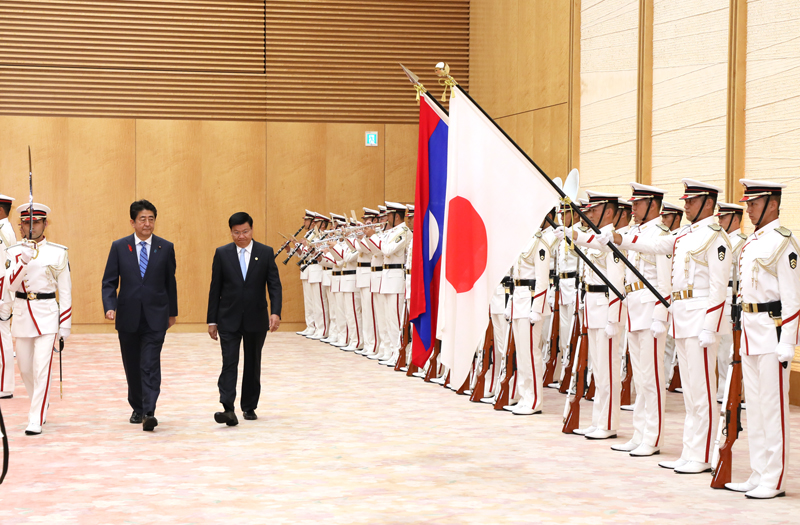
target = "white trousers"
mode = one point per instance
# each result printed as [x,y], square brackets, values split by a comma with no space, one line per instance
[308,304]
[699,398]
[766,384]
[647,363]
[35,358]
[319,298]
[333,329]
[352,310]
[669,355]
[500,327]
[393,313]
[341,318]
[6,352]
[604,356]
[530,365]
[567,317]
[723,362]
[370,328]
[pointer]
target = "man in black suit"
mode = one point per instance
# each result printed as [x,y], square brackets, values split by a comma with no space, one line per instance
[143,266]
[242,272]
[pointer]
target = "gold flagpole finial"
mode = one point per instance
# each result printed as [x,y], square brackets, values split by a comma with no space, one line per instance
[442,70]
[414,79]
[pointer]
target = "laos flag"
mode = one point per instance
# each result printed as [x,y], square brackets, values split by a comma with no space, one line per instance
[429,204]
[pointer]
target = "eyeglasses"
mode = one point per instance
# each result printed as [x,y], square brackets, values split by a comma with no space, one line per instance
[243,233]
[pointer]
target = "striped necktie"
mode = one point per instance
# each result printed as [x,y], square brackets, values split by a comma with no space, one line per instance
[143,258]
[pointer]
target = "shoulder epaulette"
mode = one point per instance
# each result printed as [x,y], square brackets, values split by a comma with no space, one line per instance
[57,245]
[714,226]
[742,236]
[584,229]
[538,234]
[663,227]
[786,232]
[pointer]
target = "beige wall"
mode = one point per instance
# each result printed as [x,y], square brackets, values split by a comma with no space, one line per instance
[197,173]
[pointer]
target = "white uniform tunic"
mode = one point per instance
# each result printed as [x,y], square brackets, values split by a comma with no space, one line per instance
[393,282]
[7,239]
[736,239]
[768,272]
[380,349]
[37,321]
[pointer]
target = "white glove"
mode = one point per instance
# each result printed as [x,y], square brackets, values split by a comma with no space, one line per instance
[63,333]
[551,300]
[612,330]
[605,238]
[534,317]
[26,253]
[658,328]
[785,352]
[559,233]
[707,338]
[507,312]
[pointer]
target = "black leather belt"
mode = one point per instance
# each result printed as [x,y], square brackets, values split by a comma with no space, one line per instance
[730,284]
[364,265]
[773,308]
[507,280]
[568,275]
[595,288]
[33,296]
[377,268]
[393,266]
[337,273]
[348,272]
[553,274]
[408,272]
[531,283]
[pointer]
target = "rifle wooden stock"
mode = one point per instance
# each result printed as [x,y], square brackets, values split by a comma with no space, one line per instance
[573,349]
[555,329]
[511,355]
[488,350]
[590,393]
[433,365]
[625,394]
[573,418]
[733,418]
[446,380]
[675,380]
[404,340]
[463,388]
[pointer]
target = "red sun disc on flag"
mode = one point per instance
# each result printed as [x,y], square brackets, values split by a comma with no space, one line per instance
[466,245]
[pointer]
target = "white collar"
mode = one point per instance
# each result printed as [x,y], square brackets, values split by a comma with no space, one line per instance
[149,240]
[247,248]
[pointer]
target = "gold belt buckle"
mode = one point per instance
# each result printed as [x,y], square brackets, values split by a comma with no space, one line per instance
[628,288]
[747,308]
[32,296]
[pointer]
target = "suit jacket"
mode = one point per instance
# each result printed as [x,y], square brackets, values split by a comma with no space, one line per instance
[235,302]
[156,293]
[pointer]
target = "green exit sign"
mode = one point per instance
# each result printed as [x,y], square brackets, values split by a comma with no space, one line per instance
[371,138]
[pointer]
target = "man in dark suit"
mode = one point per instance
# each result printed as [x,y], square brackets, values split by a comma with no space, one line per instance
[241,275]
[143,266]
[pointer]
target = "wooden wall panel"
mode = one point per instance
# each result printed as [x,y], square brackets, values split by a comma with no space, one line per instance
[84,170]
[400,178]
[353,171]
[197,174]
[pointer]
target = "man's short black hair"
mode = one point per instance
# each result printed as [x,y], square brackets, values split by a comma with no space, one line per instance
[400,213]
[142,205]
[239,218]
[6,207]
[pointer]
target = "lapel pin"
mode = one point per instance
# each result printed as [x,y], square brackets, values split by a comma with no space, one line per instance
[256,258]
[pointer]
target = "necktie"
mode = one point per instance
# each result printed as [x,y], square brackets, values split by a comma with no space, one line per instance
[242,263]
[143,258]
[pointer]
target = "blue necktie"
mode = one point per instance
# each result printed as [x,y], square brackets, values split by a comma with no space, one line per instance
[242,263]
[143,258]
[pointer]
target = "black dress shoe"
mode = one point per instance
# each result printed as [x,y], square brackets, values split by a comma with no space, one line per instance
[228,417]
[136,418]
[250,414]
[149,423]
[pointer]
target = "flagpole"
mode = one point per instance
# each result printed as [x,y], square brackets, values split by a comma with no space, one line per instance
[594,227]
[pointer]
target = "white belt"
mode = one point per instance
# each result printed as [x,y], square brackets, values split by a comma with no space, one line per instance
[691,293]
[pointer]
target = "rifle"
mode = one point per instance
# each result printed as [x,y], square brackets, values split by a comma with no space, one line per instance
[488,350]
[510,368]
[433,365]
[405,335]
[284,246]
[625,394]
[5,448]
[573,406]
[590,393]
[555,328]
[675,374]
[463,388]
[563,388]
[730,420]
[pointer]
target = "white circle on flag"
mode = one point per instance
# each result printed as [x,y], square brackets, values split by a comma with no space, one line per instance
[433,235]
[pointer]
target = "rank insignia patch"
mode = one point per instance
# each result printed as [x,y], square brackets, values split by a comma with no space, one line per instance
[669,256]
[793,260]
[721,253]
[541,255]
[616,258]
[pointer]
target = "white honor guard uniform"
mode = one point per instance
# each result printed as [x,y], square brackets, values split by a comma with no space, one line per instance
[770,299]
[737,239]
[567,266]
[373,243]
[544,339]
[308,303]
[701,264]
[393,281]
[363,281]
[338,336]
[319,299]
[671,217]
[7,239]
[409,255]
[352,297]
[528,314]
[500,325]
[603,315]
[647,330]
[42,310]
